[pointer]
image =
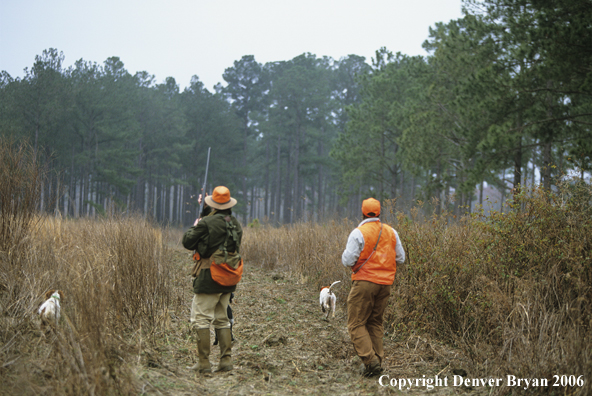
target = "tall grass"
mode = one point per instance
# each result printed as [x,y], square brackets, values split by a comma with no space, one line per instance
[512,290]
[307,252]
[117,288]
[21,173]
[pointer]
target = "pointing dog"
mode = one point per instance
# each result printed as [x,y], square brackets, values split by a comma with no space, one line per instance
[327,299]
[50,309]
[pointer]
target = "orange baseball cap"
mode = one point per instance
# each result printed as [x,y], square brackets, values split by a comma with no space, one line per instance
[371,207]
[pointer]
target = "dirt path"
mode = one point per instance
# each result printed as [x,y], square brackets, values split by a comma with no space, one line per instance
[283,346]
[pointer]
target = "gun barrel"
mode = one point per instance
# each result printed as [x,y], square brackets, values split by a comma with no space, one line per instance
[203,189]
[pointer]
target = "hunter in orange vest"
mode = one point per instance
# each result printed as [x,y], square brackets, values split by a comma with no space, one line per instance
[372,252]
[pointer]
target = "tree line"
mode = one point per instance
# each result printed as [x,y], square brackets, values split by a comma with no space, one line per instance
[123,142]
[503,97]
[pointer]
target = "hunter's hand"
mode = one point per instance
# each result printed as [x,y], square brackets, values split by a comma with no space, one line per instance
[196,221]
[199,199]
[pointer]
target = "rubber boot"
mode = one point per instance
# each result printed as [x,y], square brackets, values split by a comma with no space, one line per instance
[203,350]
[225,338]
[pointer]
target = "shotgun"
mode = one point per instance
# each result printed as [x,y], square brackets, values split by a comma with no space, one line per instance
[196,257]
[203,189]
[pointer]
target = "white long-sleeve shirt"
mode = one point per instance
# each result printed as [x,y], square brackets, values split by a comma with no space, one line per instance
[355,245]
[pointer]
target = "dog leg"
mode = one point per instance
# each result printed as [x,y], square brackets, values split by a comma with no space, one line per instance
[333,307]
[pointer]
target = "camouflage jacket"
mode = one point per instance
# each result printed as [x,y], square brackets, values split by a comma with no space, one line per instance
[207,237]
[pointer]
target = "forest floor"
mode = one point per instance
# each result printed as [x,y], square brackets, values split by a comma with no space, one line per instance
[284,346]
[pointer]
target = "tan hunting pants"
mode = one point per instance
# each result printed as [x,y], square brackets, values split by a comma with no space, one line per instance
[365,306]
[209,309]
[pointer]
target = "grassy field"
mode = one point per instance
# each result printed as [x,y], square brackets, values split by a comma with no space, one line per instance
[480,297]
[510,293]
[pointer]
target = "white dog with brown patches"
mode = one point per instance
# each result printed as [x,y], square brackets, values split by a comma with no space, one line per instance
[327,299]
[50,309]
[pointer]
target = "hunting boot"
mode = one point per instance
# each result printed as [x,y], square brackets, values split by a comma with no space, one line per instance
[203,350]
[373,368]
[225,338]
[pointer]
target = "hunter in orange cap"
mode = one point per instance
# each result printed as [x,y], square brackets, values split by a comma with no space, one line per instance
[216,238]
[372,252]
[371,207]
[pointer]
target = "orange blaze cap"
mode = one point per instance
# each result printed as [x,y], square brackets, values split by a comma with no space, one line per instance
[371,207]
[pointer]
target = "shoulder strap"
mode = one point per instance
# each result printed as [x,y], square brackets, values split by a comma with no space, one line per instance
[373,250]
[230,232]
[378,240]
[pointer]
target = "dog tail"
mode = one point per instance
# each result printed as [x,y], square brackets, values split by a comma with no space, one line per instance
[333,284]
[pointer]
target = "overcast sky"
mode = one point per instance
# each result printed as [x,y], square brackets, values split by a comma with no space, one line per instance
[182,38]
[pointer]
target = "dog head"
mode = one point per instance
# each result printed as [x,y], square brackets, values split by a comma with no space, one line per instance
[50,293]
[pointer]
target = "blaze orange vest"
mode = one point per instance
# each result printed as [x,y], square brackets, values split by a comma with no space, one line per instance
[381,267]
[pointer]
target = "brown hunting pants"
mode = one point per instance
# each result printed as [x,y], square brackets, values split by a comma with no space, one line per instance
[365,306]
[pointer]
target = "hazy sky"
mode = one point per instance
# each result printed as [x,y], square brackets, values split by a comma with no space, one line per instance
[182,38]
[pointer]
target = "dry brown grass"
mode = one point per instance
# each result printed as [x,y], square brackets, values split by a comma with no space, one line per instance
[512,290]
[21,174]
[117,297]
[309,252]
[117,289]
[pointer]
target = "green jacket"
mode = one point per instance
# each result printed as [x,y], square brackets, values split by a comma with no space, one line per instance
[206,237]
